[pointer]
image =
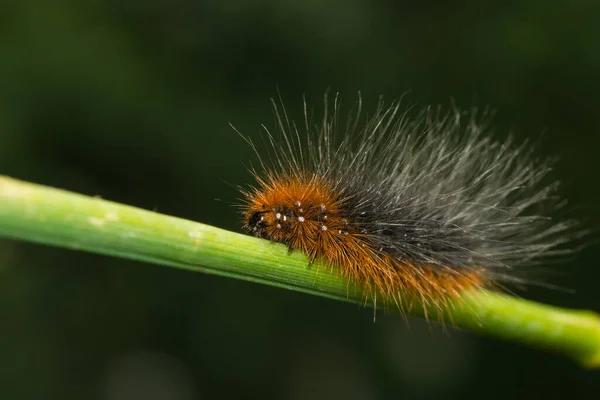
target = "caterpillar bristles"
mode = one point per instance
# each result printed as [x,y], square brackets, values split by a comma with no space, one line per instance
[416,210]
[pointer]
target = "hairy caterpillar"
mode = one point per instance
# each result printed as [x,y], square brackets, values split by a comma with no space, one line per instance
[417,210]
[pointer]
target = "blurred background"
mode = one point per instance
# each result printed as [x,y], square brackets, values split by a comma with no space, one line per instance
[132,100]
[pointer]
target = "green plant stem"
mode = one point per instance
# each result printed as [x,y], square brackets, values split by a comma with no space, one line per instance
[56,217]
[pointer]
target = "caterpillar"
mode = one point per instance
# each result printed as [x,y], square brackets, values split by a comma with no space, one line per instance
[417,209]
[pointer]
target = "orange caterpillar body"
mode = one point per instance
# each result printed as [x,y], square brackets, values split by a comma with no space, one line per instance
[307,215]
[415,210]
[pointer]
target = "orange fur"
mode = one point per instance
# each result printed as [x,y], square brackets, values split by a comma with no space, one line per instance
[307,215]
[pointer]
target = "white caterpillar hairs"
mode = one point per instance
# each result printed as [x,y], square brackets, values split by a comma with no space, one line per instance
[416,209]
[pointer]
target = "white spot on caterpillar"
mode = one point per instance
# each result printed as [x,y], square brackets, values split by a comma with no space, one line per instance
[297,203]
[278,215]
[300,219]
[323,228]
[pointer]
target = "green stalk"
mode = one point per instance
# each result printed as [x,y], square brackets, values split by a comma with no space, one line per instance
[56,217]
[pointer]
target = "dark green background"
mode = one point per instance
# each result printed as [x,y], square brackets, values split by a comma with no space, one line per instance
[131,100]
